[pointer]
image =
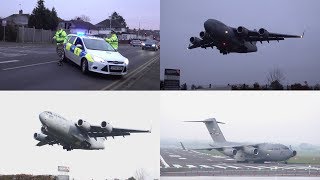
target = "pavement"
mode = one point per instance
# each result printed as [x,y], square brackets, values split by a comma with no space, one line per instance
[178,162]
[34,67]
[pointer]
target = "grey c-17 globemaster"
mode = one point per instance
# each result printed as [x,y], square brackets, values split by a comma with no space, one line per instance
[81,135]
[244,152]
[233,40]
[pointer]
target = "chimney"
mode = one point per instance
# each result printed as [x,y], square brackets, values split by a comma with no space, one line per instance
[20,11]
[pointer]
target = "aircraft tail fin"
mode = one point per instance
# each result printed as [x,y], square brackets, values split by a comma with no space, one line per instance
[183,146]
[214,129]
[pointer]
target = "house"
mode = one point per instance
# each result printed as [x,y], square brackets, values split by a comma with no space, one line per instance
[18,19]
[105,27]
[79,26]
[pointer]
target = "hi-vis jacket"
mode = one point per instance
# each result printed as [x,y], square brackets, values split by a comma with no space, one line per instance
[113,41]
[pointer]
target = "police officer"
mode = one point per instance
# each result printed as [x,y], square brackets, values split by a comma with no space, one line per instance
[113,40]
[61,38]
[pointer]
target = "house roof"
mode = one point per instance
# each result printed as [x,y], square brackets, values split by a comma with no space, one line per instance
[106,23]
[15,15]
[81,24]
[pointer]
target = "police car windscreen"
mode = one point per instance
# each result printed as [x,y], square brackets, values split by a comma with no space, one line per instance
[97,44]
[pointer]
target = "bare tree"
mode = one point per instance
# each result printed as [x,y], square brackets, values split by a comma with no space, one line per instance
[275,75]
[83,18]
[140,174]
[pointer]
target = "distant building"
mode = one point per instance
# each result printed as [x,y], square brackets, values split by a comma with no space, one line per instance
[104,27]
[18,19]
[79,26]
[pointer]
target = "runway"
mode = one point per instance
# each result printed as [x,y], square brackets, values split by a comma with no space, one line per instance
[178,162]
[34,67]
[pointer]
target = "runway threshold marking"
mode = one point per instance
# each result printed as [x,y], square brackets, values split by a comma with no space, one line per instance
[3,62]
[191,166]
[130,75]
[235,167]
[176,166]
[222,167]
[166,165]
[205,166]
[30,65]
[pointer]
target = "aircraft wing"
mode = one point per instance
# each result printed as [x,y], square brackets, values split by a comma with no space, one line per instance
[220,147]
[255,36]
[98,131]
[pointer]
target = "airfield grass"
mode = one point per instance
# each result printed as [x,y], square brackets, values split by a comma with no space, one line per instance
[303,157]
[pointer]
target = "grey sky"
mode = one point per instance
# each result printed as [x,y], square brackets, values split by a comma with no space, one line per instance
[298,59]
[147,12]
[291,118]
[122,156]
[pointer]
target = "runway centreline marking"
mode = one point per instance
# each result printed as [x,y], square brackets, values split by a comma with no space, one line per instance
[3,62]
[131,74]
[30,65]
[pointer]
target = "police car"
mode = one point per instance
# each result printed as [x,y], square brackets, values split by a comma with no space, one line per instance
[94,54]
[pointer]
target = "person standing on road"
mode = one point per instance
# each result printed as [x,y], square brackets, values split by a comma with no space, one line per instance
[113,40]
[61,38]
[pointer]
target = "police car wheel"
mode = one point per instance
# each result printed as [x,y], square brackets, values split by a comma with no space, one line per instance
[84,66]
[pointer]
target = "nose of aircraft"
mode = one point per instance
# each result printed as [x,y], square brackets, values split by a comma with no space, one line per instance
[42,117]
[207,24]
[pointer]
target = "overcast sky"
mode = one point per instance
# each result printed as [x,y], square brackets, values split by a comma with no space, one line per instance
[298,59]
[122,156]
[147,12]
[290,118]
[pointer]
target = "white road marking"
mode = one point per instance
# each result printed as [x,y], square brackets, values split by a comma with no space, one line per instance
[182,158]
[254,167]
[229,159]
[166,165]
[205,166]
[174,156]
[3,62]
[176,165]
[30,65]
[191,166]
[235,167]
[222,167]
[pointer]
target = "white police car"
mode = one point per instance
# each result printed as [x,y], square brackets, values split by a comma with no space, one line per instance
[94,54]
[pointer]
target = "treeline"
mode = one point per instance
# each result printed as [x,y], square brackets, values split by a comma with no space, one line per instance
[275,86]
[26,177]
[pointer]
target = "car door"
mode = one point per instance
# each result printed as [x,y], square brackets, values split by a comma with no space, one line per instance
[77,51]
[69,53]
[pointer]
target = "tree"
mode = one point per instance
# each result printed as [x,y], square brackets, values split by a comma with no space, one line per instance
[275,75]
[184,86]
[256,86]
[43,18]
[140,174]
[117,17]
[276,85]
[83,18]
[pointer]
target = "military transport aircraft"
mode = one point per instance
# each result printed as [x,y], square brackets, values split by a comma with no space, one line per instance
[244,152]
[233,40]
[81,135]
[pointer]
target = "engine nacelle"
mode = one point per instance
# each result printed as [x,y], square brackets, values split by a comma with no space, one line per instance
[39,136]
[84,125]
[294,153]
[229,151]
[251,150]
[107,126]
[195,40]
[264,33]
[242,31]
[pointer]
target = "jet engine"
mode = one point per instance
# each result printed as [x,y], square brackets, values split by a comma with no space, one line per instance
[264,33]
[229,151]
[39,136]
[106,126]
[84,125]
[294,153]
[242,31]
[251,150]
[195,40]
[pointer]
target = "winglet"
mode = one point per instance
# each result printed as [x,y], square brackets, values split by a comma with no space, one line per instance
[302,34]
[183,146]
